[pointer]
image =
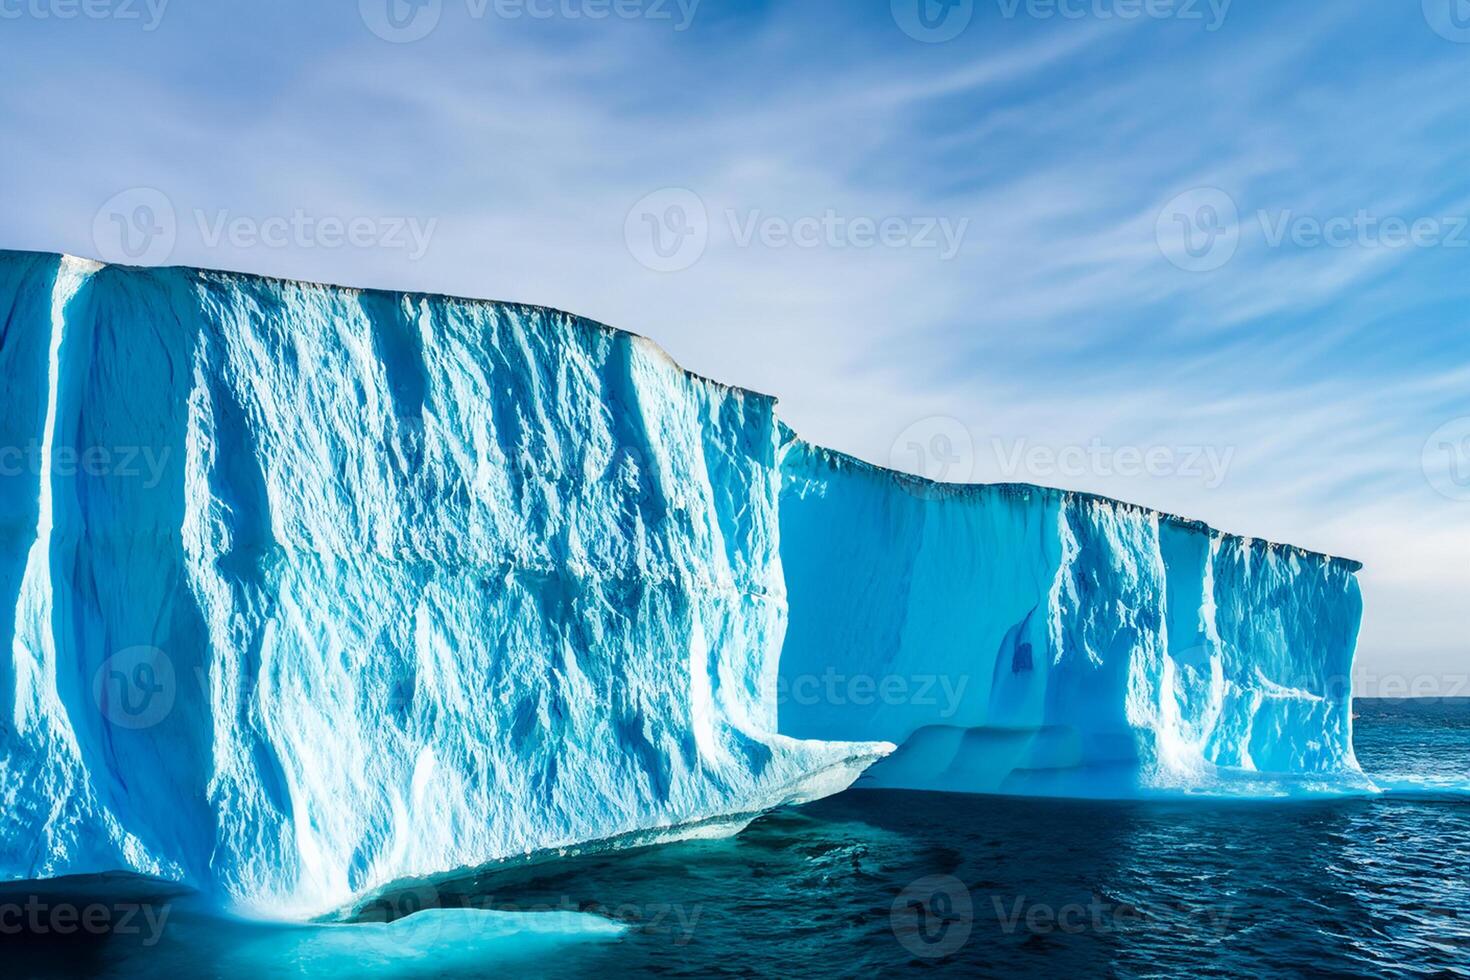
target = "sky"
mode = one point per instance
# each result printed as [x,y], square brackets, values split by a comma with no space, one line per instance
[1208,256]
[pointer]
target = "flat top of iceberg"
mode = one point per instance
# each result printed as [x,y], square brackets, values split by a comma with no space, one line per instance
[835,457]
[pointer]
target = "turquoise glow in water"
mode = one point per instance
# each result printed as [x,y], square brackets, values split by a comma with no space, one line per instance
[871,881]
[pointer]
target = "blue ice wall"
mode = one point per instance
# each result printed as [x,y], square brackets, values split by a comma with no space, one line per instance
[1016,639]
[308,590]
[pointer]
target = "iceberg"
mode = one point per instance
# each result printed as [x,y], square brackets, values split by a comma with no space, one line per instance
[311,590]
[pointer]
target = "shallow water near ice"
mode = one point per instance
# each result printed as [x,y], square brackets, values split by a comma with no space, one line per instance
[885,880]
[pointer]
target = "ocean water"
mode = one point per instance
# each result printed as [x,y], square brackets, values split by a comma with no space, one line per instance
[885,881]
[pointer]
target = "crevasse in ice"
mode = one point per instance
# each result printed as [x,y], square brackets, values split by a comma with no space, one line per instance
[310,590]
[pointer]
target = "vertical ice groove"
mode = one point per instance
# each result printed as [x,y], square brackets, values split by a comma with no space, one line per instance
[34,643]
[52,821]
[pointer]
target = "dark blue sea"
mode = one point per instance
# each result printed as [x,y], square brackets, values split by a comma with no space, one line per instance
[871,883]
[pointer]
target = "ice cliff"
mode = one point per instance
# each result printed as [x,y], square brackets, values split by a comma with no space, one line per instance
[309,590]
[1019,639]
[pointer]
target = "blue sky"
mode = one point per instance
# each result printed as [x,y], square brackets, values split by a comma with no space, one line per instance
[1210,257]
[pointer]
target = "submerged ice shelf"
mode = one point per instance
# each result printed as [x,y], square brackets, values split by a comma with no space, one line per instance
[309,590]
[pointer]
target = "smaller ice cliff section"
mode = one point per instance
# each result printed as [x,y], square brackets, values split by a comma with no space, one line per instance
[1019,639]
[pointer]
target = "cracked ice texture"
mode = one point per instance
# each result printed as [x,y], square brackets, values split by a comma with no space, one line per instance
[371,586]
